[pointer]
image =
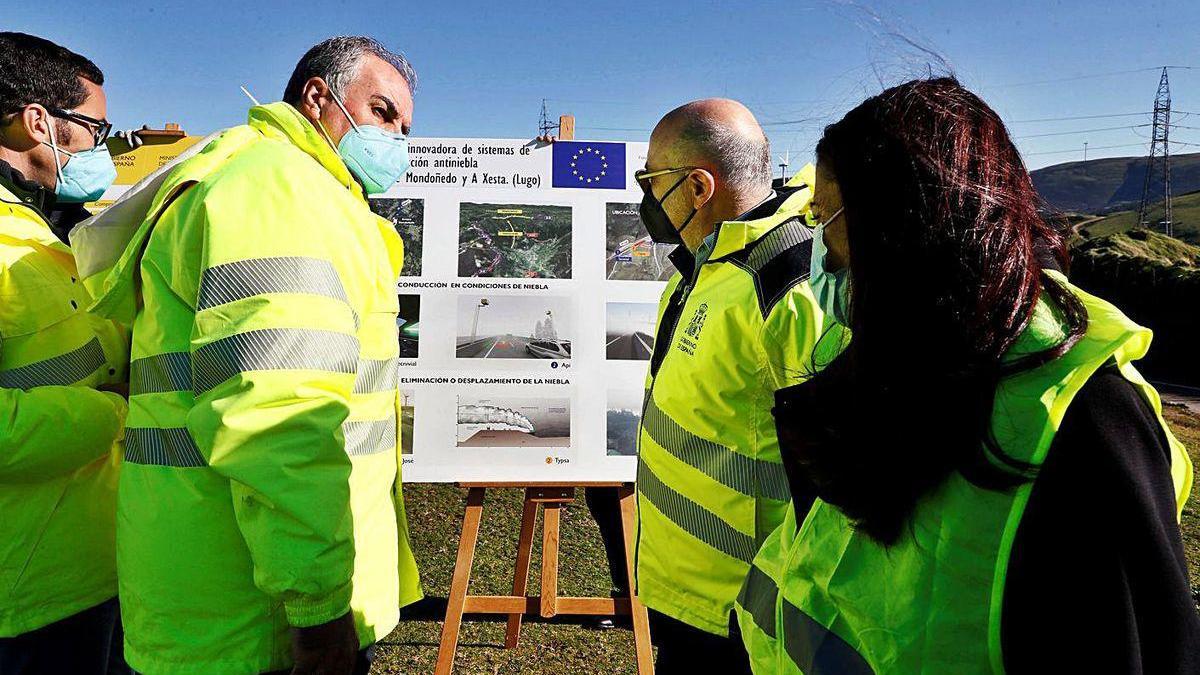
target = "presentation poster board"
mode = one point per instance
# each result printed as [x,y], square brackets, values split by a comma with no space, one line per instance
[527,309]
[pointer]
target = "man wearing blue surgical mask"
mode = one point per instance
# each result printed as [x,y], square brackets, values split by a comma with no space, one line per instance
[365,119]
[62,372]
[264,418]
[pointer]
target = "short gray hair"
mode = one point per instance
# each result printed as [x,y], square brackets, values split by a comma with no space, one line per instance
[337,60]
[743,161]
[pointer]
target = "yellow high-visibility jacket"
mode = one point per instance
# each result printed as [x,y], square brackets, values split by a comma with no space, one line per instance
[59,436]
[733,328]
[261,489]
[824,597]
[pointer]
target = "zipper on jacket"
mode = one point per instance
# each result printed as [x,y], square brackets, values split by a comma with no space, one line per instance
[670,322]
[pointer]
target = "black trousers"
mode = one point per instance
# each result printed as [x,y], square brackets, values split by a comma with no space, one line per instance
[87,643]
[684,650]
[605,505]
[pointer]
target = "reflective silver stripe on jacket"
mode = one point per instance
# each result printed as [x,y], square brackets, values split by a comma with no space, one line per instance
[369,437]
[60,370]
[376,376]
[170,371]
[788,234]
[273,349]
[693,518]
[162,447]
[234,281]
[756,478]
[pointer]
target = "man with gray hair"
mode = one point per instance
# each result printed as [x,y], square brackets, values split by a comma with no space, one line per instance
[261,524]
[736,324]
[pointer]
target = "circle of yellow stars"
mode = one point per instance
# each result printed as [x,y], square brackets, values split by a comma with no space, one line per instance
[603,164]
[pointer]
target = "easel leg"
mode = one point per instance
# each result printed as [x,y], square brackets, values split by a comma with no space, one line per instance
[550,514]
[458,585]
[641,620]
[521,577]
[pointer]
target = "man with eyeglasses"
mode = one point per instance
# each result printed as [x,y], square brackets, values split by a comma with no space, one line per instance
[736,324]
[62,401]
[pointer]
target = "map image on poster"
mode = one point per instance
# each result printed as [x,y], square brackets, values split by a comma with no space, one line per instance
[629,330]
[624,415]
[513,327]
[514,422]
[408,217]
[630,254]
[514,241]
[409,323]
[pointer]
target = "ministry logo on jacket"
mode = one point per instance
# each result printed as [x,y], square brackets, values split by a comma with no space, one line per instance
[691,334]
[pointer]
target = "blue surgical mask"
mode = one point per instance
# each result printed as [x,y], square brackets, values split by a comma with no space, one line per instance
[831,288]
[376,157]
[85,176]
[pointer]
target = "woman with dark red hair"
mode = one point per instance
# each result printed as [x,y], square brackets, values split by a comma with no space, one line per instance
[992,485]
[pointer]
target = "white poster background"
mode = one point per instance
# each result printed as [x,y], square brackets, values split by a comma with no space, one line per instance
[515,172]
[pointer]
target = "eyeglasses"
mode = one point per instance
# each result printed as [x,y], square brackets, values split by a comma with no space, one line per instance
[100,128]
[643,176]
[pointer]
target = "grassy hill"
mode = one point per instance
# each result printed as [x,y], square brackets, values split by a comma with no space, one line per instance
[1104,185]
[1154,279]
[1185,213]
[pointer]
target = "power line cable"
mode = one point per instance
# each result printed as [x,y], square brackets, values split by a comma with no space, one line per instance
[1081,131]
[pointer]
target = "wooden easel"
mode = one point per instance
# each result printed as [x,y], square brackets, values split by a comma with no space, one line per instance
[551,496]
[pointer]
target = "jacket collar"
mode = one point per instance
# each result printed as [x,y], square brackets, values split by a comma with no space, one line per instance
[30,227]
[284,122]
[24,190]
[735,235]
[59,217]
[685,261]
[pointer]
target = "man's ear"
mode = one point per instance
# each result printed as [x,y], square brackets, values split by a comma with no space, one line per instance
[314,94]
[703,185]
[33,125]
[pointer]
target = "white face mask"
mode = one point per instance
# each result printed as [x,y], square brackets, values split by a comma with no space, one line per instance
[831,288]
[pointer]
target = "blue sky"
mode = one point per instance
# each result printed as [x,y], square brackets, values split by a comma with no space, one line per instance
[618,66]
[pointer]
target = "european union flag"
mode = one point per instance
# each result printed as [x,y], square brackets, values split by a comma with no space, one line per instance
[581,164]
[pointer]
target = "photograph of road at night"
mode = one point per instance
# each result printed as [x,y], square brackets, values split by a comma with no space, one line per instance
[513,327]
[630,330]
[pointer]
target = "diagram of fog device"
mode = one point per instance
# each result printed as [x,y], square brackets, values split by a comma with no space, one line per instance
[513,422]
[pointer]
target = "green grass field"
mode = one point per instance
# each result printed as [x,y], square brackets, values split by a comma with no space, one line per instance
[435,516]
[563,646]
[1185,213]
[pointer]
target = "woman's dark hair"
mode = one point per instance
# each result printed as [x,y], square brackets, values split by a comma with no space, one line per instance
[947,251]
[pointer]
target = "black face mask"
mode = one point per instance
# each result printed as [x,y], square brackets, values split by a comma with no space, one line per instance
[658,223]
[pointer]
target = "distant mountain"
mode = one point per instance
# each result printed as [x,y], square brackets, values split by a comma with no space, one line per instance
[1185,213]
[1112,184]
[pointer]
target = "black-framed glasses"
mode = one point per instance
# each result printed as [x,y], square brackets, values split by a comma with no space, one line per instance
[643,176]
[100,128]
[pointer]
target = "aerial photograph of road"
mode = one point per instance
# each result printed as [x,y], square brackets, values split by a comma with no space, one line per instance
[513,327]
[514,241]
[630,254]
[408,217]
[630,330]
